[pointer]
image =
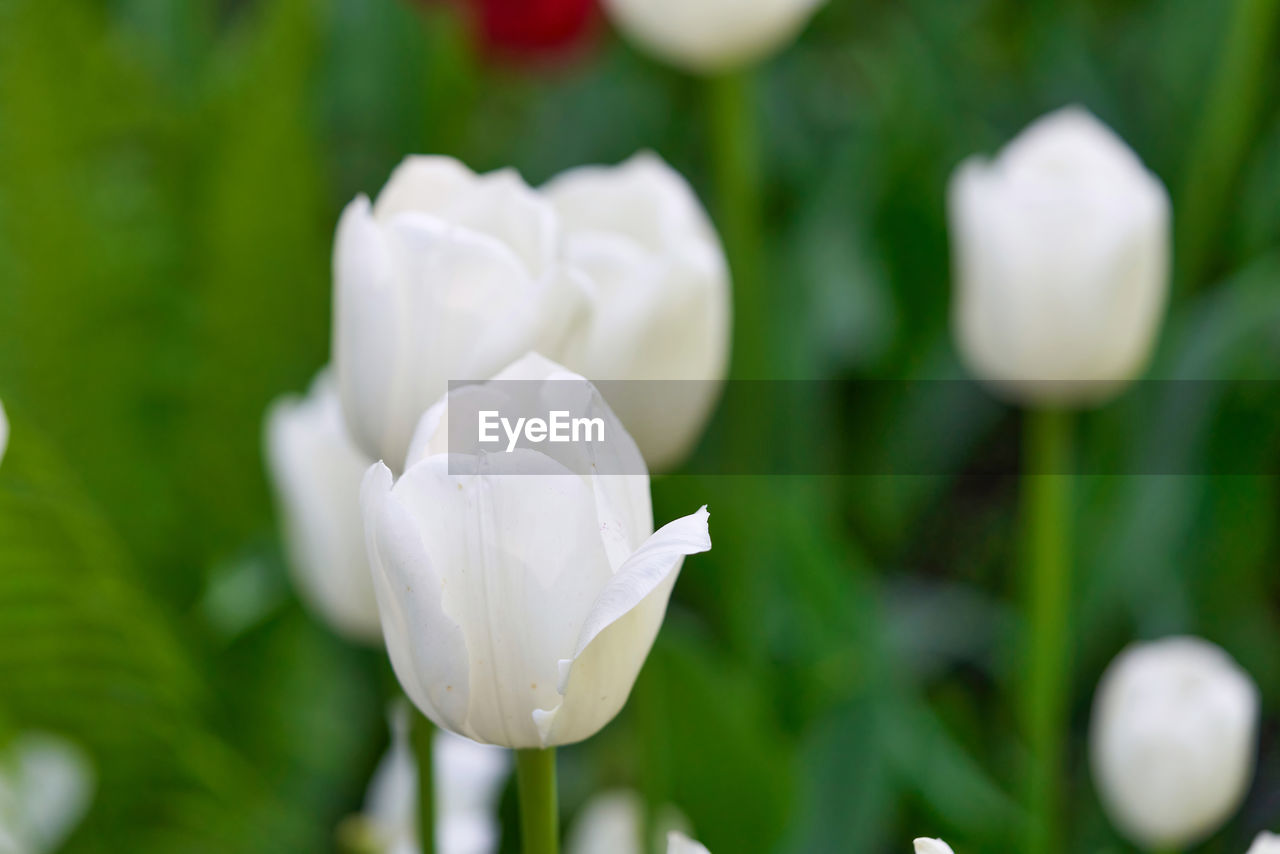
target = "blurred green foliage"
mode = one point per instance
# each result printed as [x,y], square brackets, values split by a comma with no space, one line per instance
[835,675]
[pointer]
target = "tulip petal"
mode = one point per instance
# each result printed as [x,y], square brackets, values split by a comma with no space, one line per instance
[425,183]
[678,843]
[428,649]
[619,631]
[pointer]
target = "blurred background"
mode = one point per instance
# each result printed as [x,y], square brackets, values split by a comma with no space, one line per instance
[836,674]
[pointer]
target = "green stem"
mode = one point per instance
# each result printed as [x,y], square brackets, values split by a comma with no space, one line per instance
[1047,493]
[539,816]
[735,160]
[421,732]
[1221,139]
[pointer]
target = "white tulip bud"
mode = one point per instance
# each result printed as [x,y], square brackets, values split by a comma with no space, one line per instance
[519,607]
[467,785]
[1265,843]
[316,470]
[678,843]
[1173,740]
[4,432]
[449,276]
[46,786]
[925,845]
[1061,261]
[711,35]
[660,302]
[614,822]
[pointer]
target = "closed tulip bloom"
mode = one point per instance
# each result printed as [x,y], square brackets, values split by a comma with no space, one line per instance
[448,276]
[1061,261]
[316,470]
[660,301]
[1173,740]
[468,779]
[678,843]
[1265,843]
[710,35]
[925,845]
[519,607]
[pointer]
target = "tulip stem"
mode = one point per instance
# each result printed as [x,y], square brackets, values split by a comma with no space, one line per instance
[539,816]
[735,161]
[421,733]
[1047,497]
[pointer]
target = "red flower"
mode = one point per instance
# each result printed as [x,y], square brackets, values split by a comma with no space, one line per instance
[530,29]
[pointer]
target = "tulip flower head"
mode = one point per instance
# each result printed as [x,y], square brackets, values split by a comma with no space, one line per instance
[46,786]
[1061,262]
[1265,843]
[678,843]
[1173,740]
[533,28]
[925,845]
[518,607]
[615,272]
[316,470]
[708,36]
[468,779]
[660,301]
[448,276]
[614,821]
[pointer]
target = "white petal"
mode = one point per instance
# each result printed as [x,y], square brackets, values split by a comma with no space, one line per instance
[1265,843]
[428,649]
[50,782]
[710,35]
[316,471]
[424,183]
[925,845]
[619,631]
[370,335]
[678,843]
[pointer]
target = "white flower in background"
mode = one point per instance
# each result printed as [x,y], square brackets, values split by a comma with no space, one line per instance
[711,35]
[614,821]
[1173,740]
[925,845]
[518,608]
[678,843]
[448,276]
[4,432]
[316,471]
[46,786]
[660,301]
[468,783]
[1265,843]
[1061,260]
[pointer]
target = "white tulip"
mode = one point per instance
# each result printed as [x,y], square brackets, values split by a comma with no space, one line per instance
[519,608]
[1061,262]
[316,470]
[614,821]
[1173,740]
[678,843]
[4,432]
[46,786]
[1265,843]
[925,845]
[660,302]
[711,35]
[448,276]
[468,779]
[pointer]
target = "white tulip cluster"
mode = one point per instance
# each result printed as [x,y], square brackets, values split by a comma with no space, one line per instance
[517,607]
